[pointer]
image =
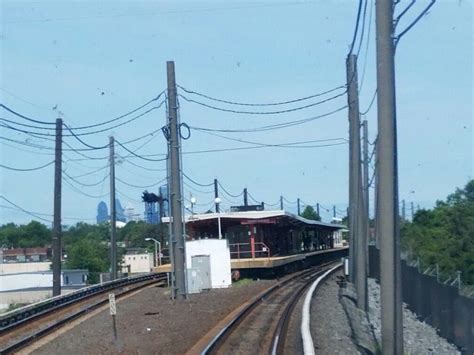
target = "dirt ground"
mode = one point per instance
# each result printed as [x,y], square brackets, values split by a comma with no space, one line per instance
[151,323]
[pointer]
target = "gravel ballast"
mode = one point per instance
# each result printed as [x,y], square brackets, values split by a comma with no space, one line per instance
[419,337]
[149,322]
[329,324]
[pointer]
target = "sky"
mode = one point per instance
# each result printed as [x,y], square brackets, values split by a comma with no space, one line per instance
[89,62]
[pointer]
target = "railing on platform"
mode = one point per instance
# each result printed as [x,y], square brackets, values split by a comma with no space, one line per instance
[237,250]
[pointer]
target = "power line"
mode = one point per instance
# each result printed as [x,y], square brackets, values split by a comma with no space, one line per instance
[27,169]
[84,184]
[260,104]
[121,116]
[25,117]
[197,183]
[122,123]
[25,211]
[363,28]
[136,155]
[84,143]
[79,191]
[227,192]
[369,31]
[89,173]
[141,186]
[356,30]
[262,112]
[371,103]
[418,18]
[142,167]
[271,127]
[189,186]
[288,145]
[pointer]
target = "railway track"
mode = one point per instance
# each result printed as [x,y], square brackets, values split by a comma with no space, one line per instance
[26,325]
[262,326]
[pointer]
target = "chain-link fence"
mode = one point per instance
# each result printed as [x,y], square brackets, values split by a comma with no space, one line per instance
[437,299]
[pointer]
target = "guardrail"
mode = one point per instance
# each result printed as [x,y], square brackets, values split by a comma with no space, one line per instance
[23,314]
[264,249]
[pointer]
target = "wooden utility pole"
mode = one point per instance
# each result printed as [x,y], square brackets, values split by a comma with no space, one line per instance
[298,206]
[281,203]
[177,227]
[113,212]
[390,266]
[246,201]
[56,238]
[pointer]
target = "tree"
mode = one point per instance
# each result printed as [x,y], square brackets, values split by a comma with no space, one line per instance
[445,234]
[310,213]
[89,254]
[33,234]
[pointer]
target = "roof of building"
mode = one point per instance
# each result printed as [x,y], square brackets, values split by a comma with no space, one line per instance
[257,215]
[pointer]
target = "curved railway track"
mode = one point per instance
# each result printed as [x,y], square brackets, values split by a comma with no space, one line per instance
[26,325]
[262,326]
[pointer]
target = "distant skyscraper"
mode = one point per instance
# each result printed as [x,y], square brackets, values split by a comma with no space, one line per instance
[102,213]
[166,206]
[119,211]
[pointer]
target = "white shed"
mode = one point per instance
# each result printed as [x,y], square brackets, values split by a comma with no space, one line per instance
[217,252]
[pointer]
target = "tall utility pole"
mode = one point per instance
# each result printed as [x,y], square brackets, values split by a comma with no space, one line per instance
[298,204]
[281,203]
[246,201]
[365,201]
[390,268]
[113,212]
[377,196]
[404,215]
[161,203]
[334,211]
[216,195]
[412,205]
[354,160]
[56,240]
[359,247]
[177,227]
[317,209]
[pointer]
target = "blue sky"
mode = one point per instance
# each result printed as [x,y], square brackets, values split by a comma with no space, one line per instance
[97,60]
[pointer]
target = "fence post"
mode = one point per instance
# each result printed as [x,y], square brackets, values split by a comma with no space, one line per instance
[459,280]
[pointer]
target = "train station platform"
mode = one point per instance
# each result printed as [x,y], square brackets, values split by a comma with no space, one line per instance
[274,261]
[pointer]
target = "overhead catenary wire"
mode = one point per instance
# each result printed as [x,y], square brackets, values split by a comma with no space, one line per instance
[263,112]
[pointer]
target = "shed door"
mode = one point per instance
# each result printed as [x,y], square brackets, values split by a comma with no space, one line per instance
[203,263]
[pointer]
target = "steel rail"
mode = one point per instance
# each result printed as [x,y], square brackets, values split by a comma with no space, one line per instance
[22,342]
[19,316]
[279,336]
[220,338]
[305,328]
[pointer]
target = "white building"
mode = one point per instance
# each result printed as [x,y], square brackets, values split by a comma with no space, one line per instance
[137,261]
[34,286]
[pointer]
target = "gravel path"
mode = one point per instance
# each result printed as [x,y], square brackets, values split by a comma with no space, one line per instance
[151,323]
[329,325]
[419,337]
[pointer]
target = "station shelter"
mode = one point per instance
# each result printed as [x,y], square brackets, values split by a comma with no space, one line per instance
[256,234]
